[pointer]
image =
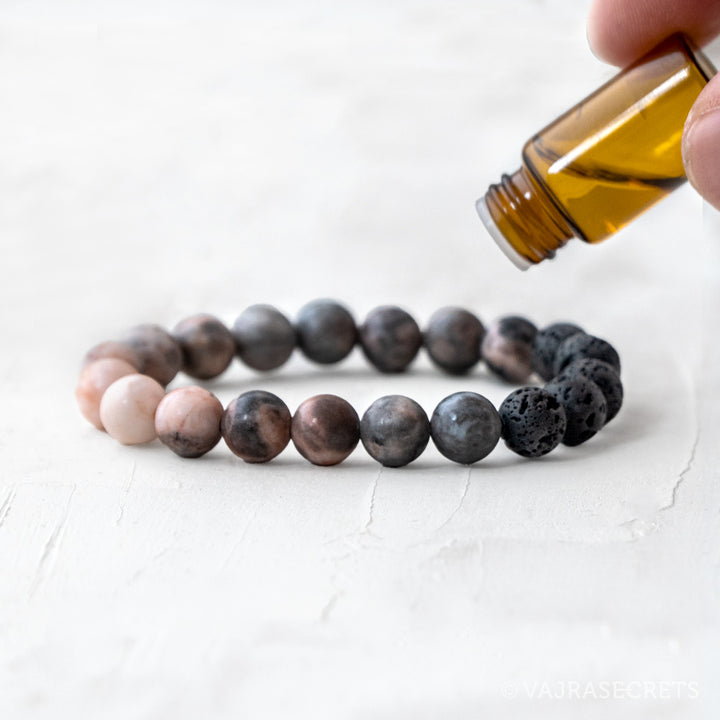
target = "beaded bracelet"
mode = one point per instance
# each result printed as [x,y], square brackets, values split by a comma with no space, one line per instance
[122,385]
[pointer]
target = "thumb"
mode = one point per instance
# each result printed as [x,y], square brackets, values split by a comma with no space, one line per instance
[701,143]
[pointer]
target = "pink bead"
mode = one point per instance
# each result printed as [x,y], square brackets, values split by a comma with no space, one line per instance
[94,381]
[127,409]
[187,420]
[112,349]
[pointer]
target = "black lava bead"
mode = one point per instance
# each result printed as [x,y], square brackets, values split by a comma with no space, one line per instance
[604,376]
[581,346]
[390,338]
[507,348]
[264,337]
[545,347]
[465,427]
[394,430]
[533,421]
[453,338]
[326,331]
[585,407]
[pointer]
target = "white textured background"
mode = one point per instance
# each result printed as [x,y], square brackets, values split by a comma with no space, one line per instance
[159,159]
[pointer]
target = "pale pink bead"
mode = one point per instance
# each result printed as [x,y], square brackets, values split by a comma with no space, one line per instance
[187,420]
[127,409]
[112,349]
[94,380]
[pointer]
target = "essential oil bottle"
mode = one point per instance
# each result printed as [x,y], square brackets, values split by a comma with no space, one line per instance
[601,164]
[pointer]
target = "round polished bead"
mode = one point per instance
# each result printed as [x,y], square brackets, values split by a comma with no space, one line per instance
[326,331]
[604,376]
[112,349]
[507,348]
[394,430]
[159,354]
[256,426]
[127,409]
[325,429]
[545,347]
[94,380]
[453,338]
[585,407]
[207,346]
[581,346]
[465,427]
[390,338]
[187,420]
[264,337]
[533,421]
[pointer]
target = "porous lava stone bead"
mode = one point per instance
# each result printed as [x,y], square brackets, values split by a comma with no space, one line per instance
[453,338]
[465,427]
[394,430]
[507,348]
[533,421]
[264,337]
[390,338]
[604,376]
[207,346]
[585,407]
[326,331]
[545,347]
[158,354]
[581,346]
[256,426]
[325,429]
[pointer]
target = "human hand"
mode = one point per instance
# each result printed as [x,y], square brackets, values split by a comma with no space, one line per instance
[620,31]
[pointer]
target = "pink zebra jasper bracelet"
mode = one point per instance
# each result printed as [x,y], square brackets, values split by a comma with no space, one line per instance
[122,385]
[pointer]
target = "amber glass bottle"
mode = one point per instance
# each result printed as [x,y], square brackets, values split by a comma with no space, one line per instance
[598,166]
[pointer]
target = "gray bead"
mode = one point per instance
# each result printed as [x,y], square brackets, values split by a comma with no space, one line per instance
[264,337]
[453,338]
[604,376]
[585,407]
[326,331]
[545,347]
[390,338]
[581,346]
[207,346]
[158,353]
[394,430]
[507,348]
[533,421]
[465,427]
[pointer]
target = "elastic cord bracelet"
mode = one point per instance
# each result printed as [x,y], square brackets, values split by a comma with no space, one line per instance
[122,385]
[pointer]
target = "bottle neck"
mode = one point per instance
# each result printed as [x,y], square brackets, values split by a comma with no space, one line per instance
[523,220]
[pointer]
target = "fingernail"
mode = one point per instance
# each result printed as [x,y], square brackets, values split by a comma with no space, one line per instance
[701,154]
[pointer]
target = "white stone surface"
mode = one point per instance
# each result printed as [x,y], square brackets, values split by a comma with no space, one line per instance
[162,159]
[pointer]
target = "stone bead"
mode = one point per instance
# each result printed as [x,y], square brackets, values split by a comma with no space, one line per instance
[390,338]
[325,429]
[207,346]
[187,420]
[94,380]
[580,346]
[159,354]
[453,338]
[465,427]
[326,331]
[507,348]
[604,376]
[394,430]
[256,426]
[112,349]
[127,409]
[545,347]
[585,407]
[533,421]
[264,337]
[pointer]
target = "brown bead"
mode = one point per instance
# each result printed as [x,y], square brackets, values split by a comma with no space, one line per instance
[325,429]
[187,420]
[94,380]
[159,354]
[112,349]
[453,338]
[390,338]
[207,346]
[507,348]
